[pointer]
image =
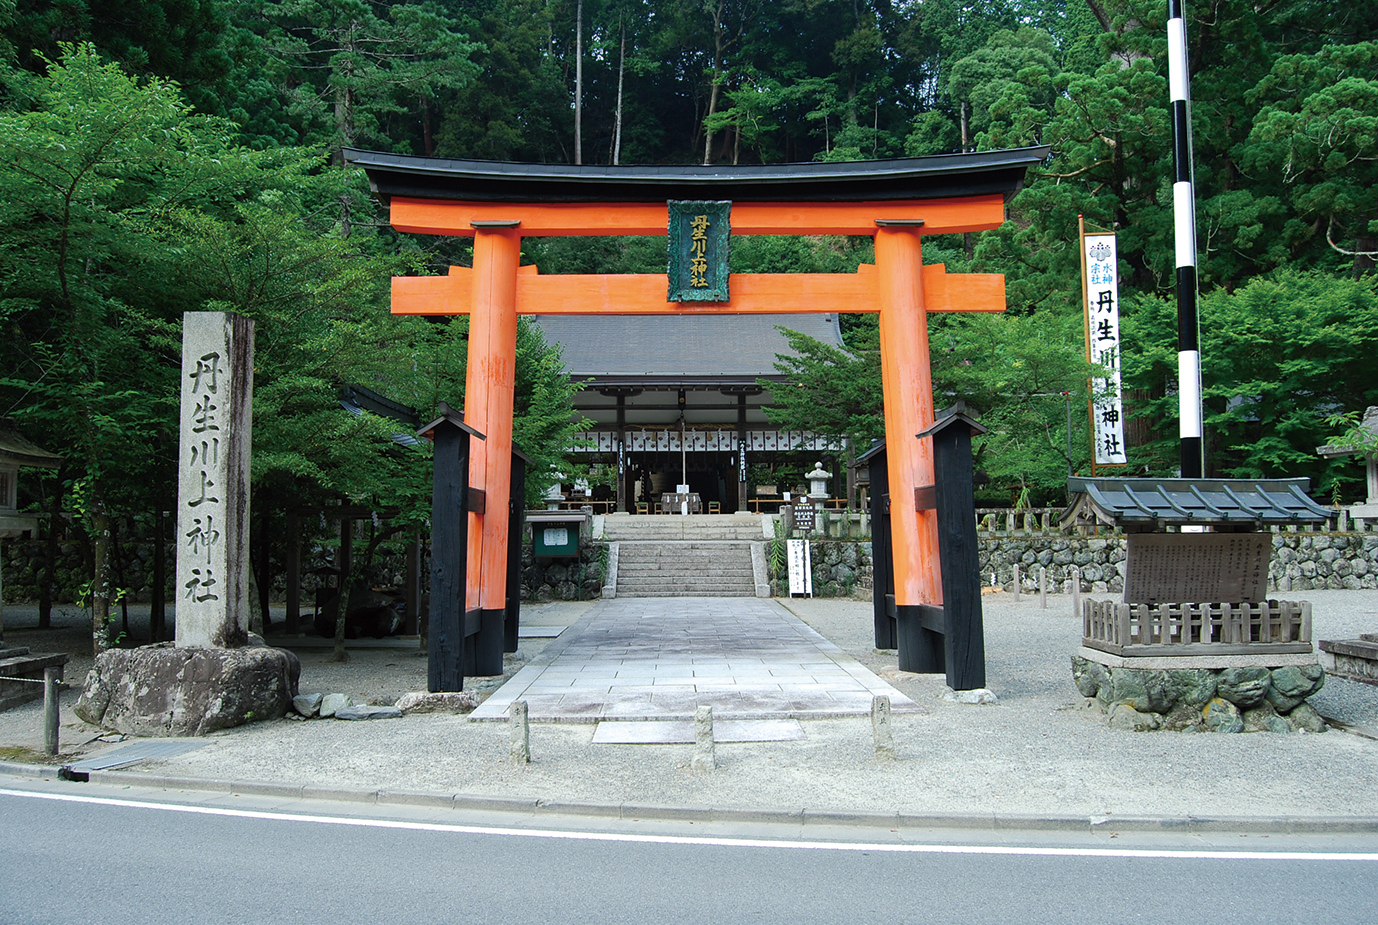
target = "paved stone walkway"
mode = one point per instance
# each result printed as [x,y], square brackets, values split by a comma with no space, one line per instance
[661,658]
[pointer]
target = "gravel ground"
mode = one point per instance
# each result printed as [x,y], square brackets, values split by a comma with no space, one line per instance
[1039,751]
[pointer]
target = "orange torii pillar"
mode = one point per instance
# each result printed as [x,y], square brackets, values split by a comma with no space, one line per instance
[907,381]
[490,383]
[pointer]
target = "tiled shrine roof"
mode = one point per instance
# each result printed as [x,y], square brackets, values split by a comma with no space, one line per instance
[1158,503]
[946,175]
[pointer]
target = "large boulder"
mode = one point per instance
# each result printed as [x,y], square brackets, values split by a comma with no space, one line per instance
[163,690]
[1244,687]
[1293,684]
[1193,687]
[1089,676]
[1146,690]
[1221,715]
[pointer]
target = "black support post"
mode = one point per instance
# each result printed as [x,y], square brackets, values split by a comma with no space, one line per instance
[882,565]
[963,636]
[511,626]
[449,545]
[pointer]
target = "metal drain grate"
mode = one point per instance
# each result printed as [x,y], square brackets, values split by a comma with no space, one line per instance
[133,753]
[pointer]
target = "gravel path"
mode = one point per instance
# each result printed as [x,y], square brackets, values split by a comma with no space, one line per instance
[1038,752]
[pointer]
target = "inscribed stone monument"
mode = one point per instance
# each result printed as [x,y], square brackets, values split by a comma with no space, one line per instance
[213,480]
[215,677]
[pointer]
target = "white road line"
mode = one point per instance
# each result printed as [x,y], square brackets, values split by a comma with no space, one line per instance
[706,840]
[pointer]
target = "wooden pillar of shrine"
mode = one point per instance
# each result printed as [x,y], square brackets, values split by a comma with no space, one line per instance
[488,404]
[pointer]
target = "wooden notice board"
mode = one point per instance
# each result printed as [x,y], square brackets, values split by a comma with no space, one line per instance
[1197,567]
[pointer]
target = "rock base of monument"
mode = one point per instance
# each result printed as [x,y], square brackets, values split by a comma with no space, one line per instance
[164,690]
[1239,698]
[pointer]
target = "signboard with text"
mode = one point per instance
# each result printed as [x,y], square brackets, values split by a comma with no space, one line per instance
[1103,347]
[800,568]
[1197,567]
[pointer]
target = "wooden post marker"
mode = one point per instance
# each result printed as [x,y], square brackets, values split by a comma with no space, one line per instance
[450,506]
[963,634]
[50,710]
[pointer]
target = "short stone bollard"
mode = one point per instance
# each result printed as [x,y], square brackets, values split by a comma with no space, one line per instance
[1076,592]
[1043,587]
[880,726]
[51,687]
[1016,583]
[705,753]
[521,732]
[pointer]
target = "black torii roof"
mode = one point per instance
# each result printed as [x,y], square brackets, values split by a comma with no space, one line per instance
[944,175]
[1157,503]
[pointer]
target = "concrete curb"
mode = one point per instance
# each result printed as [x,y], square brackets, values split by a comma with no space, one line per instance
[1190,825]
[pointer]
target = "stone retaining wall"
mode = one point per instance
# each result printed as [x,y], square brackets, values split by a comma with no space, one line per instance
[565,579]
[842,566]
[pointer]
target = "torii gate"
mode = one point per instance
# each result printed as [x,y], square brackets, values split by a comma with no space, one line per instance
[895,201]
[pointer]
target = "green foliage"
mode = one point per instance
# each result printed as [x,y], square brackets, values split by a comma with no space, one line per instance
[1317,132]
[1020,373]
[544,421]
[1280,357]
[829,391]
[367,64]
[119,210]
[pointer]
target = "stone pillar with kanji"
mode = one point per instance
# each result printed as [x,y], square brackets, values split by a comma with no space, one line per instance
[213,480]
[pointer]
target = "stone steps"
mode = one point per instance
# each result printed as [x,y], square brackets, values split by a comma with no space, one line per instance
[669,527]
[685,569]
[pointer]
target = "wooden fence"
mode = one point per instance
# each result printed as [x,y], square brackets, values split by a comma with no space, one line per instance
[1197,629]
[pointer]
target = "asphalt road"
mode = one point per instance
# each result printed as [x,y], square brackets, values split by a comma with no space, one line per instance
[74,853]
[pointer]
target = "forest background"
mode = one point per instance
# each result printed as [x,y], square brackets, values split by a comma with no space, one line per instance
[160,156]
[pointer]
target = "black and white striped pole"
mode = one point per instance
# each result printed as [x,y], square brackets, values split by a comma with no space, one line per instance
[1184,223]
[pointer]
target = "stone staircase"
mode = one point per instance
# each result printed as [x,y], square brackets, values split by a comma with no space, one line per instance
[697,556]
[658,528]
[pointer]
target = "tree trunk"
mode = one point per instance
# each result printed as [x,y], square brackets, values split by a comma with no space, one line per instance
[617,122]
[100,574]
[579,83]
[715,88]
[53,550]
[427,136]
[346,572]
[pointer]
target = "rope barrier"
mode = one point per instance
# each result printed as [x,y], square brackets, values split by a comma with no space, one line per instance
[62,684]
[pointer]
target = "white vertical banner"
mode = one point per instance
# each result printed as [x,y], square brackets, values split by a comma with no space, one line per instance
[1102,289]
[800,567]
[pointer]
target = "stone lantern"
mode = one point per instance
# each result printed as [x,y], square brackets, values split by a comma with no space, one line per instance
[818,482]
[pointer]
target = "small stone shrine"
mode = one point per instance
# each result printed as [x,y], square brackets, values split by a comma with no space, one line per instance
[17,661]
[216,675]
[1196,644]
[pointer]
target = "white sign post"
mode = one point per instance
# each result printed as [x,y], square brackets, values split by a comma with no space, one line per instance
[800,571]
